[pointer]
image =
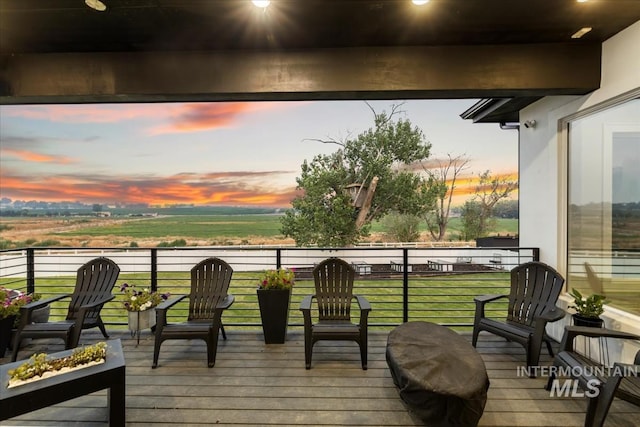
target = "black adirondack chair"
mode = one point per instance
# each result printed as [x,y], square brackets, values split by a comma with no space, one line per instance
[210,280]
[334,293]
[620,381]
[535,288]
[94,282]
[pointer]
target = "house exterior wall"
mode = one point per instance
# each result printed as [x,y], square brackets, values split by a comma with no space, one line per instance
[543,169]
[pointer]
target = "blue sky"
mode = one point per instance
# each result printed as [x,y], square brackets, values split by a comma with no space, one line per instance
[243,153]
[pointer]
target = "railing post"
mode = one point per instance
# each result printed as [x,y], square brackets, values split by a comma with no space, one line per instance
[31,271]
[405,285]
[278,258]
[154,269]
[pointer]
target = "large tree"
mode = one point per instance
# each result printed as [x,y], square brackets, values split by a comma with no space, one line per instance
[377,159]
[443,175]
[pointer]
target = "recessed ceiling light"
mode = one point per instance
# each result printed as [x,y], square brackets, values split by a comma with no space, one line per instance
[420,2]
[261,3]
[582,1]
[96,4]
[581,32]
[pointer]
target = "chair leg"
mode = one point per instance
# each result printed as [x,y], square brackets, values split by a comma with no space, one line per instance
[156,352]
[212,347]
[474,337]
[549,349]
[552,378]
[102,328]
[16,347]
[308,349]
[224,335]
[363,355]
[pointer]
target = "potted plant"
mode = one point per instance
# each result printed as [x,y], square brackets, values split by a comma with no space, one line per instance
[588,310]
[274,294]
[140,306]
[10,302]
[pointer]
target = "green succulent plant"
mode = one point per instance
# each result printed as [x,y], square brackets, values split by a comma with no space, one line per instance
[590,307]
[40,363]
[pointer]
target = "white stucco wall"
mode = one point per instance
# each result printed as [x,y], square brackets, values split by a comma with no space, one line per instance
[543,165]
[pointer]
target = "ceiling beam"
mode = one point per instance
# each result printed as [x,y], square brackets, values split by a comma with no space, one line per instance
[346,73]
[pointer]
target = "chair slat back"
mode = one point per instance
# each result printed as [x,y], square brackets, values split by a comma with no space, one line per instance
[334,289]
[210,280]
[535,287]
[94,281]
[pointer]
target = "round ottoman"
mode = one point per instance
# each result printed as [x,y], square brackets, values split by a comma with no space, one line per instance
[440,376]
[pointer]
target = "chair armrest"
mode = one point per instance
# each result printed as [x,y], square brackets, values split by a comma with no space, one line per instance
[305,305]
[570,332]
[480,301]
[552,315]
[43,302]
[365,309]
[363,303]
[164,306]
[161,312]
[483,299]
[226,302]
[25,310]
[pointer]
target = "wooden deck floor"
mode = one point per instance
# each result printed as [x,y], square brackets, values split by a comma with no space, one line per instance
[254,384]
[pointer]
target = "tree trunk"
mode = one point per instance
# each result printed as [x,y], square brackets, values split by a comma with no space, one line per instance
[366,205]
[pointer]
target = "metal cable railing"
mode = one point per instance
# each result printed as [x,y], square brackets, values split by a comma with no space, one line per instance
[402,284]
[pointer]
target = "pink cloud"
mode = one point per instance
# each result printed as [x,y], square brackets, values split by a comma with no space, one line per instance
[197,117]
[31,156]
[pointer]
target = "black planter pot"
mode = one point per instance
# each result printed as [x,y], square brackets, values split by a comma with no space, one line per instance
[590,322]
[6,325]
[274,311]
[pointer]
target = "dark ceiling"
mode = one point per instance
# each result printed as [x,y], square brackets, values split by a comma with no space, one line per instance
[37,26]
[34,27]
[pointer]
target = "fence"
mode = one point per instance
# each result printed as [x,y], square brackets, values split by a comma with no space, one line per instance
[402,284]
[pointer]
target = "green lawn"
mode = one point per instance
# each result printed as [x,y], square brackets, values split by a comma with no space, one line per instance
[206,226]
[196,226]
[440,299]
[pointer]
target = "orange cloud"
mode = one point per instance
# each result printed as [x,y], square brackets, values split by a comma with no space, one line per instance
[220,188]
[31,156]
[467,186]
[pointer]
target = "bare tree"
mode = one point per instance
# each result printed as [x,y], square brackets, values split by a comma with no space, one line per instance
[489,191]
[442,174]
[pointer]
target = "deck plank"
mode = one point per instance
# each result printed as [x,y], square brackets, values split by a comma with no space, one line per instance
[254,384]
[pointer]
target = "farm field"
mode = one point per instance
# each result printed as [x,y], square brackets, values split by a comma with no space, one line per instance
[172,230]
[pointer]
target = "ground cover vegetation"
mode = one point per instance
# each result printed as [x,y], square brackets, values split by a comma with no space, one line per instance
[196,230]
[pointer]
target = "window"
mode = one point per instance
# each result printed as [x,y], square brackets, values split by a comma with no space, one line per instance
[604,204]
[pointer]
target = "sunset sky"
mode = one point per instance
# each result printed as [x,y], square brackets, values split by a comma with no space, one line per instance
[243,153]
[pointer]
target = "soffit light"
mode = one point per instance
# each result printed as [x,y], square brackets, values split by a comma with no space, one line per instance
[581,32]
[261,3]
[419,2]
[96,4]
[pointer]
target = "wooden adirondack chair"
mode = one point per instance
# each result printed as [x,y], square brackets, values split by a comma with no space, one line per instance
[94,282]
[334,293]
[210,280]
[623,382]
[535,288]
